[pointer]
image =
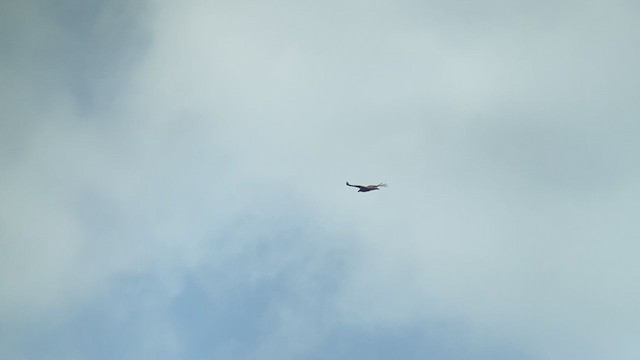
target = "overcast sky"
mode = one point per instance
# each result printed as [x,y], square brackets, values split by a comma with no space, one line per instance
[172,179]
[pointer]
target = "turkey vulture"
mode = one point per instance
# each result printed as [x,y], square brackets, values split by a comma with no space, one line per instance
[368,187]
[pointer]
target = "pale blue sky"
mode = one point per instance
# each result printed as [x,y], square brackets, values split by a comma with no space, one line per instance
[172,180]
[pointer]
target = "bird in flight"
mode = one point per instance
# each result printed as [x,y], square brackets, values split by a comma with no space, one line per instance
[366,188]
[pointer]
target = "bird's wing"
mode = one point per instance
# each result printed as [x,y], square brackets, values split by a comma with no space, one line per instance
[375,186]
[358,186]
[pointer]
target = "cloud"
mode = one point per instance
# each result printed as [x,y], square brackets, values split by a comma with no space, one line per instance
[172,176]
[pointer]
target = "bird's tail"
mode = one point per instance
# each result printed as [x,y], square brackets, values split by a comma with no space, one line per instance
[382,184]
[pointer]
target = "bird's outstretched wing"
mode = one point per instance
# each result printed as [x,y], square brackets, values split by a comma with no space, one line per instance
[358,186]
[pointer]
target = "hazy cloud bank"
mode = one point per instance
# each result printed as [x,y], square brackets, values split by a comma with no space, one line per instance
[177,170]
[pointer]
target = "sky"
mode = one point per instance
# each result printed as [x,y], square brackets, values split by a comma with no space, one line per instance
[172,179]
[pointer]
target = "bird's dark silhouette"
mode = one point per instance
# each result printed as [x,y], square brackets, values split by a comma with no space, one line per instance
[365,188]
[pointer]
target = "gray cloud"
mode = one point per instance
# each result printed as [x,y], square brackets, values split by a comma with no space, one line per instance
[163,159]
